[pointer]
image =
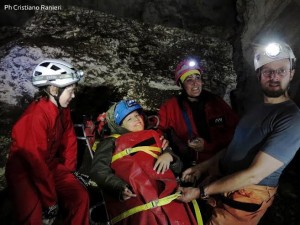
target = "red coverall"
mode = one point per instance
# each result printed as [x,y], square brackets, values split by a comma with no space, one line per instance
[220,120]
[41,158]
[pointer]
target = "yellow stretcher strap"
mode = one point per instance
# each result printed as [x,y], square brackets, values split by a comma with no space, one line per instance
[197,212]
[147,149]
[94,147]
[115,135]
[150,205]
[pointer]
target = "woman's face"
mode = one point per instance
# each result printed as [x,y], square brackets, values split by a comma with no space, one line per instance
[133,122]
[193,85]
[67,95]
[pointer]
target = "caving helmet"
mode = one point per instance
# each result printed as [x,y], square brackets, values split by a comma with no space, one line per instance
[123,108]
[185,68]
[55,72]
[272,52]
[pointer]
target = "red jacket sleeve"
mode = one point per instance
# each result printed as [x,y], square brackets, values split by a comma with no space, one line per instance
[30,142]
[68,151]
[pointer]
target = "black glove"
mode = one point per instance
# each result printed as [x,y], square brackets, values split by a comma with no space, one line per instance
[50,212]
[83,178]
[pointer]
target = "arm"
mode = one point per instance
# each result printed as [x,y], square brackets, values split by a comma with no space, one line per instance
[69,149]
[262,166]
[31,142]
[164,123]
[101,171]
[209,168]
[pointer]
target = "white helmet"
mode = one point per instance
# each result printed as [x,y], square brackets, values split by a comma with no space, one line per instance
[55,72]
[272,52]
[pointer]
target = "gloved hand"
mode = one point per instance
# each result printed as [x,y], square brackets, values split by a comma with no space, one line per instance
[83,178]
[49,214]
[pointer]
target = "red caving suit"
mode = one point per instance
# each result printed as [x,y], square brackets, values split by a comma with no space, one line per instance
[42,156]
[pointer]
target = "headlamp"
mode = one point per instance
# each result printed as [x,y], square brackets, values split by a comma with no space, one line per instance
[273,50]
[130,103]
[192,63]
[79,74]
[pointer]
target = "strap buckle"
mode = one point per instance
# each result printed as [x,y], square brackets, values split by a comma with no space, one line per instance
[128,151]
[154,204]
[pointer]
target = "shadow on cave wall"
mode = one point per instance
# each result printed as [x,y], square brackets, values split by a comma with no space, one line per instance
[91,101]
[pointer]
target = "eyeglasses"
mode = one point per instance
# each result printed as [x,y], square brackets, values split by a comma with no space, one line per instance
[281,72]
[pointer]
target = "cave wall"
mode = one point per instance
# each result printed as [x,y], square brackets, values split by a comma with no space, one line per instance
[212,17]
[136,59]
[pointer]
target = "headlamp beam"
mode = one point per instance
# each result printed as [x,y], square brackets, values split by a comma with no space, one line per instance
[273,50]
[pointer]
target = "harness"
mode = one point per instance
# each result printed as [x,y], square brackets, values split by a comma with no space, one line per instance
[185,117]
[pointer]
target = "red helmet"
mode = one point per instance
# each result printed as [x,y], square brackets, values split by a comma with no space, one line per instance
[185,68]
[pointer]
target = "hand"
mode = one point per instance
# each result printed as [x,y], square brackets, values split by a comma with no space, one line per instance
[197,144]
[162,163]
[49,214]
[127,194]
[48,221]
[192,174]
[165,143]
[188,194]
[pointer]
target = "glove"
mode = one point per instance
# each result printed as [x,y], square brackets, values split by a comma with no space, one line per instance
[83,178]
[49,214]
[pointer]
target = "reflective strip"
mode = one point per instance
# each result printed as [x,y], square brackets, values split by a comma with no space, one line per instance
[150,205]
[97,142]
[197,212]
[147,149]
[95,145]
[54,77]
[188,73]
[115,135]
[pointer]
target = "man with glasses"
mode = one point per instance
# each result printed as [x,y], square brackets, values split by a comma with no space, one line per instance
[197,122]
[265,141]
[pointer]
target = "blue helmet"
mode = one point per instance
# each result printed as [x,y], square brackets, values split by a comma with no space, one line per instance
[123,108]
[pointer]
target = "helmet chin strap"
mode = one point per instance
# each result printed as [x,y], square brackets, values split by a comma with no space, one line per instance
[56,97]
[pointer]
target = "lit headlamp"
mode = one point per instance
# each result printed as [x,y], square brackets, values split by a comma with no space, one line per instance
[273,50]
[192,63]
